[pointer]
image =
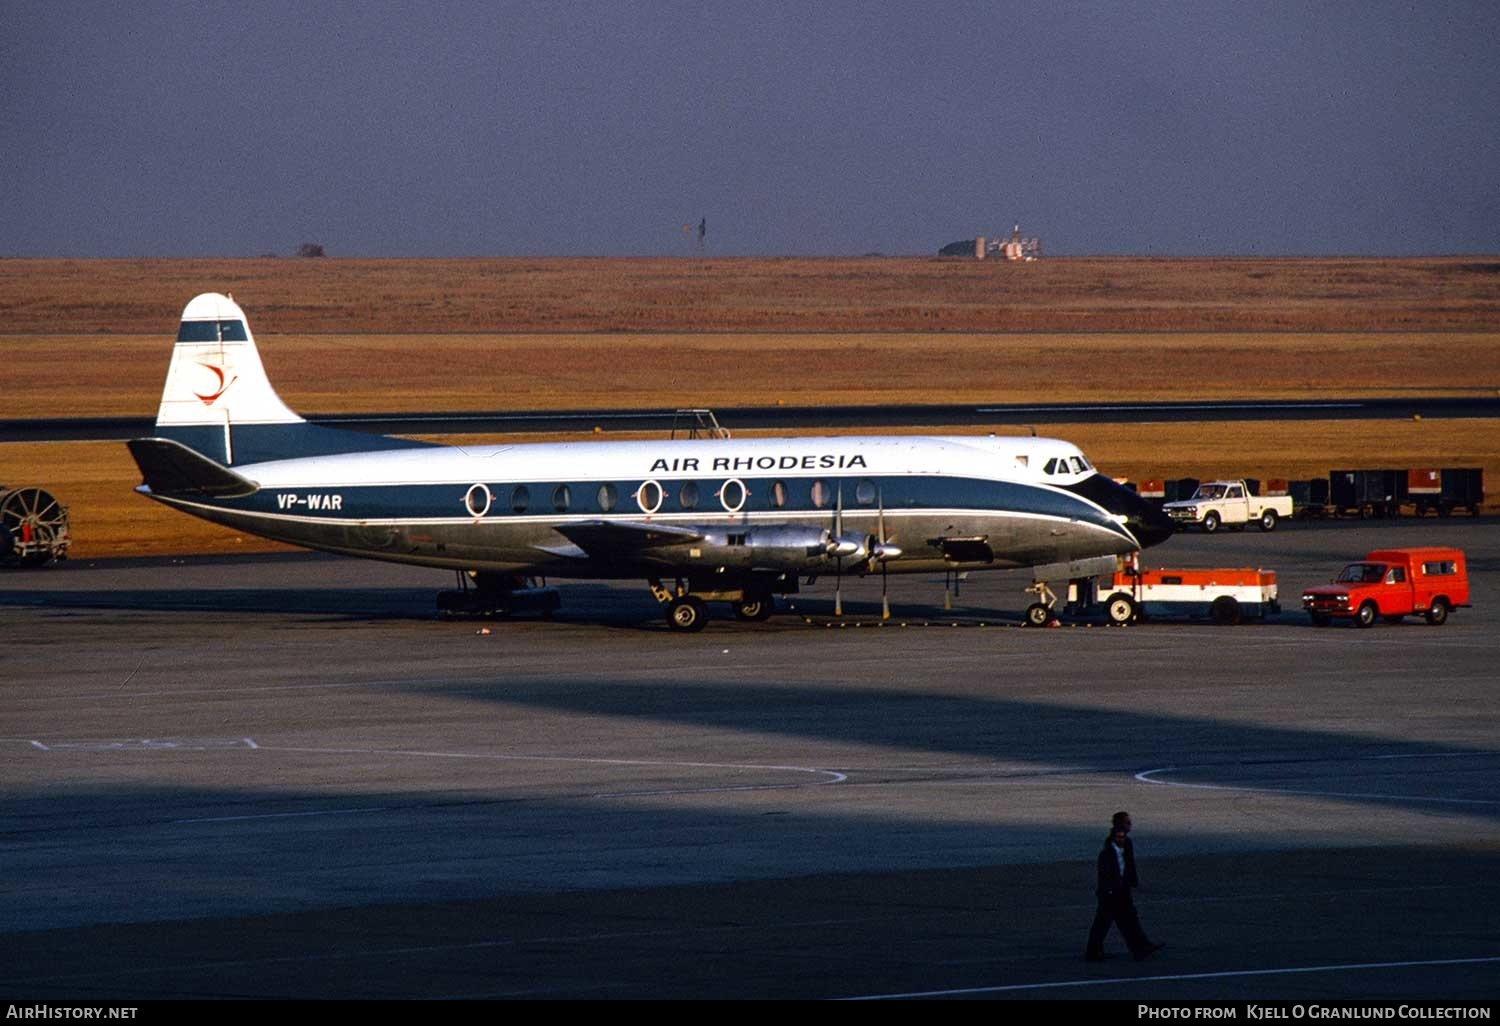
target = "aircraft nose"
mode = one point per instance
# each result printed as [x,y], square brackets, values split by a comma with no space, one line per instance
[1148,522]
[1145,521]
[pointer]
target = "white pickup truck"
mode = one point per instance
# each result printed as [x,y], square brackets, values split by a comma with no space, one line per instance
[1219,503]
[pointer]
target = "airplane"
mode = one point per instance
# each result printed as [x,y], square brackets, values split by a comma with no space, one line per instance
[726,520]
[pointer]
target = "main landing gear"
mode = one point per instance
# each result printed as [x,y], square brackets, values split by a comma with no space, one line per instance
[687,604]
[498,595]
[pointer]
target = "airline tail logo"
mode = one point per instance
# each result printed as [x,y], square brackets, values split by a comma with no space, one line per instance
[218,384]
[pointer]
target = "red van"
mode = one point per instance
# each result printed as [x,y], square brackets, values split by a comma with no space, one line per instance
[1392,583]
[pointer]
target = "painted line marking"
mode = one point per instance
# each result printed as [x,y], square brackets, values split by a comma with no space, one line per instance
[283,815]
[1149,777]
[1226,974]
[147,744]
[834,776]
[1171,407]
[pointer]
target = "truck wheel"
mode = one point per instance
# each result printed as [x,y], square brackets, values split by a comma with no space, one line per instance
[1037,615]
[1210,522]
[1268,520]
[1366,615]
[1225,611]
[1120,608]
[1437,613]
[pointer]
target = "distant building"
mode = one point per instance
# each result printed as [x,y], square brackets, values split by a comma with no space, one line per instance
[981,248]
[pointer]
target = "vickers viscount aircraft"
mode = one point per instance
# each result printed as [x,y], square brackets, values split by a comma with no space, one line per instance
[715,519]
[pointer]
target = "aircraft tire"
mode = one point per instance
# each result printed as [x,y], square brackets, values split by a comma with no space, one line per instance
[755,609]
[687,613]
[1037,615]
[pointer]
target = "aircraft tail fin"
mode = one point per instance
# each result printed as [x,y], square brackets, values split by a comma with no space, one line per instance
[219,402]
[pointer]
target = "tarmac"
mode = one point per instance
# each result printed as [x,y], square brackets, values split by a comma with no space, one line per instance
[286,777]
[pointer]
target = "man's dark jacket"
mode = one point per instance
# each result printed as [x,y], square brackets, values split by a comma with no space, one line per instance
[1110,880]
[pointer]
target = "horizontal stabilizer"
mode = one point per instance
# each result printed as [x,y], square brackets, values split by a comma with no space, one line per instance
[612,538]
[170,466]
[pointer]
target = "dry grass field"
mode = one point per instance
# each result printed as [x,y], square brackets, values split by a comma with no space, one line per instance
[90,338]
[71,375]
[859,295]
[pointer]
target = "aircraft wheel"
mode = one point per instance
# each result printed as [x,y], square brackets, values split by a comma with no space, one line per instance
[1037,615]
[755,609]
[1437,613]
[1120,608]
[1225,611]
[687,613]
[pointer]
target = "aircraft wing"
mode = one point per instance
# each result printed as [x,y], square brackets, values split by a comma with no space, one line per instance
[606,539]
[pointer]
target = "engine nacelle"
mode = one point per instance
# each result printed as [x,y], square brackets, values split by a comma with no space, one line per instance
[774,547]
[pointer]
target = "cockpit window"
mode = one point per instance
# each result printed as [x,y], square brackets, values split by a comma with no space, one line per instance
[1079,466]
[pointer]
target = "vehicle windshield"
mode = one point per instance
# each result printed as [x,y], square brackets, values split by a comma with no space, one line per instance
[1362,573]
[1210,492]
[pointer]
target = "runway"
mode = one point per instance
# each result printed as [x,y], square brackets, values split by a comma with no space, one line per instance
[751,418]
[285,777]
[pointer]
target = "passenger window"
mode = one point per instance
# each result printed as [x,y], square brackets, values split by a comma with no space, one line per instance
[609,495]
[1396,576]
[1236,493]
[477,500]
[649,496]
[732,494]
[688,496]
[864,493]
[778,494]
[562,498]
[520,499]
[822,495]
[1439,569]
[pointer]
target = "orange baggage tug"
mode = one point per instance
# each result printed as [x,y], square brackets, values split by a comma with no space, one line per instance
[1223,595]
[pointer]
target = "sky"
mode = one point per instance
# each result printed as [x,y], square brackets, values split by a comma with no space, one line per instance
[1205,127]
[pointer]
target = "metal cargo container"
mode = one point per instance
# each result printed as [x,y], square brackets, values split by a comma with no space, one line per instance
[1367,493]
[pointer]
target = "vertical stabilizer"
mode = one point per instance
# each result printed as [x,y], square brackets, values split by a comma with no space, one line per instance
[216,382]
[219,403]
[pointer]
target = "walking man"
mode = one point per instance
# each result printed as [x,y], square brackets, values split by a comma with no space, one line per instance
[1117,878]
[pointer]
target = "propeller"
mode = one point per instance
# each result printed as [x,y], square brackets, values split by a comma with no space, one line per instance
[885,598]
[838,566]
